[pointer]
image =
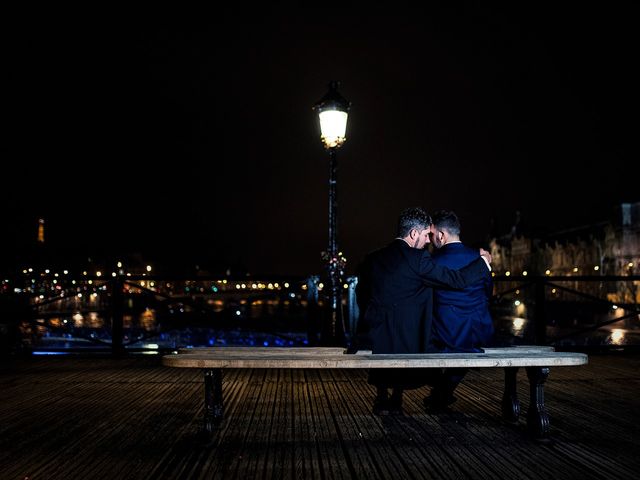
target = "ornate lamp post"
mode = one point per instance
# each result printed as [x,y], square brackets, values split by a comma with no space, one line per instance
[333,110]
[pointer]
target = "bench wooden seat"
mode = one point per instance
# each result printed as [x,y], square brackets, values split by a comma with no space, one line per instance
[536,360]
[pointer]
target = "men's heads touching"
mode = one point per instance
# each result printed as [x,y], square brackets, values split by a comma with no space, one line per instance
[445,228]
[414,225]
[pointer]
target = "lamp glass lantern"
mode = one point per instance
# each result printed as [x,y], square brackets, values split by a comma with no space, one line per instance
[333,112]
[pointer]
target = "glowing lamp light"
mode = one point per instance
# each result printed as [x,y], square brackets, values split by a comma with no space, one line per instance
[333,125]
[333,112]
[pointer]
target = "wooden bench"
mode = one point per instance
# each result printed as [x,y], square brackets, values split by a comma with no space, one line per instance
[536,360]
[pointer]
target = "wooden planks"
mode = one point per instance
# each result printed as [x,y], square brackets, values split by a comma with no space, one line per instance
[135,419]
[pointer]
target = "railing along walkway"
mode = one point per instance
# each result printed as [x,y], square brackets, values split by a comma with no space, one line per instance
[104,418]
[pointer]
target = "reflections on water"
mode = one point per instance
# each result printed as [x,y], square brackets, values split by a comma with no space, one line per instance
[257,322]
[145,331]
[565,327]
[617,336]
[240,316]
[518,324]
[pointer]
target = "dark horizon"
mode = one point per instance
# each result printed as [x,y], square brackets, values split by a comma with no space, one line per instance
[200,144]
[53,254]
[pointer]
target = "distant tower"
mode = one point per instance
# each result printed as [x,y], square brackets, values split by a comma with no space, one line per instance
[41,230]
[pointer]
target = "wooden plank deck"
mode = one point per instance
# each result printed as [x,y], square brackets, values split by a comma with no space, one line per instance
[132,418]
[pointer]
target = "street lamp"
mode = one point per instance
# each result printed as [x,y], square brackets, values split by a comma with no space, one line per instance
[333,111]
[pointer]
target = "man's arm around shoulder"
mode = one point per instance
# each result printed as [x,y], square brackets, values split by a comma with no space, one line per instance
[437,275]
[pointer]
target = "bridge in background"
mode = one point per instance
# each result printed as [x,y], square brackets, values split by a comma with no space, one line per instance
[149,313]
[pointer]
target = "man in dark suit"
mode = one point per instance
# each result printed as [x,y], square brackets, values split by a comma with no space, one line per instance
[461,318]
[394,292]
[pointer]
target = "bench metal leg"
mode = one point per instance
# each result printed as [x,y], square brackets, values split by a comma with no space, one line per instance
[510,402]
[213,406]
[537,418]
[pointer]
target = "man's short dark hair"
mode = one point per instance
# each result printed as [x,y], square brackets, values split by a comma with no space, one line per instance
[447,220]
[414,217]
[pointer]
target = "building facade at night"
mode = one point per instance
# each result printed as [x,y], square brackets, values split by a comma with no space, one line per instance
[605,248]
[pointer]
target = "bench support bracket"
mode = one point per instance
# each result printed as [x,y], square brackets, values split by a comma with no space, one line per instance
[537,418]
[510,402]
[213,406]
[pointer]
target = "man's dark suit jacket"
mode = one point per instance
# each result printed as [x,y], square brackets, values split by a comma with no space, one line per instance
[395,295]
[461,318]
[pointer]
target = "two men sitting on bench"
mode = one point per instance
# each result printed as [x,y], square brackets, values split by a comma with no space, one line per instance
[395,296]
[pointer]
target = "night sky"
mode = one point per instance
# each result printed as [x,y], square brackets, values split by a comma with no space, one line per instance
[196,143]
